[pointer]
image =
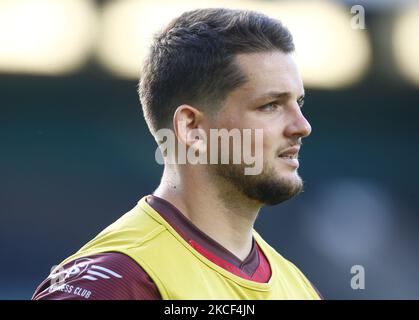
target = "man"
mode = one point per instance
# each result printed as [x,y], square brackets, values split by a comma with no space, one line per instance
[193,238]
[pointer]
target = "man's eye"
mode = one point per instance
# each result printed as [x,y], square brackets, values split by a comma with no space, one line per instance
[269,107]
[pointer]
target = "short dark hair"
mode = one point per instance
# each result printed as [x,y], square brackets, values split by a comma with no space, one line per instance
[192,60]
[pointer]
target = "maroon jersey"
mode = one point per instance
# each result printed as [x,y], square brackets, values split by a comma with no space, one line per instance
[116,276]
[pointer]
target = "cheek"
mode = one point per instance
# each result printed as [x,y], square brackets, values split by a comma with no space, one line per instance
[272,133]
[233,122]
[271,140]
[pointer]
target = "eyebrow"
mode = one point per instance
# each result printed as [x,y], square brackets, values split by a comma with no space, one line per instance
[276,95]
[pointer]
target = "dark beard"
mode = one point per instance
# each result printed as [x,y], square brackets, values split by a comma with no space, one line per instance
[265,188]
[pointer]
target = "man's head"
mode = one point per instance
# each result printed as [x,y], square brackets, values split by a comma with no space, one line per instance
[221,68]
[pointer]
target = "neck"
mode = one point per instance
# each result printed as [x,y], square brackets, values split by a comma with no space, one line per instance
[217,209]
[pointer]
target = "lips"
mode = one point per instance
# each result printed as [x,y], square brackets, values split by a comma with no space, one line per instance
[290,153]
[289,156]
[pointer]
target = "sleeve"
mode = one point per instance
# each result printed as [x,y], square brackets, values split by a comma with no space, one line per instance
[105,276]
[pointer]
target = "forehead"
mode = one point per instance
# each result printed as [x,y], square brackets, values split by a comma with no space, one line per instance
[268,72]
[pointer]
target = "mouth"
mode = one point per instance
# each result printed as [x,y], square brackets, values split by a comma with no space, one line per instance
[290,156]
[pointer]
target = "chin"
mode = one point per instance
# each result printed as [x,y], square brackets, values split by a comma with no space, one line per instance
[275,189]
[271,187]
[291,176]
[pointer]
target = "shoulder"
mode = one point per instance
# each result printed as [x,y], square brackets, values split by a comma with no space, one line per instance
[288,269]
[104,276]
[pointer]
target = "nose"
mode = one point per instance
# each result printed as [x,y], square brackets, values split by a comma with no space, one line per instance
[298,126]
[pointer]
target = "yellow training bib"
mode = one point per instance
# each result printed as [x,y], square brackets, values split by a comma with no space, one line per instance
[180,272]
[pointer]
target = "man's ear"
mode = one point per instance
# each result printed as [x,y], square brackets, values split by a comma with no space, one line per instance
[187,120]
